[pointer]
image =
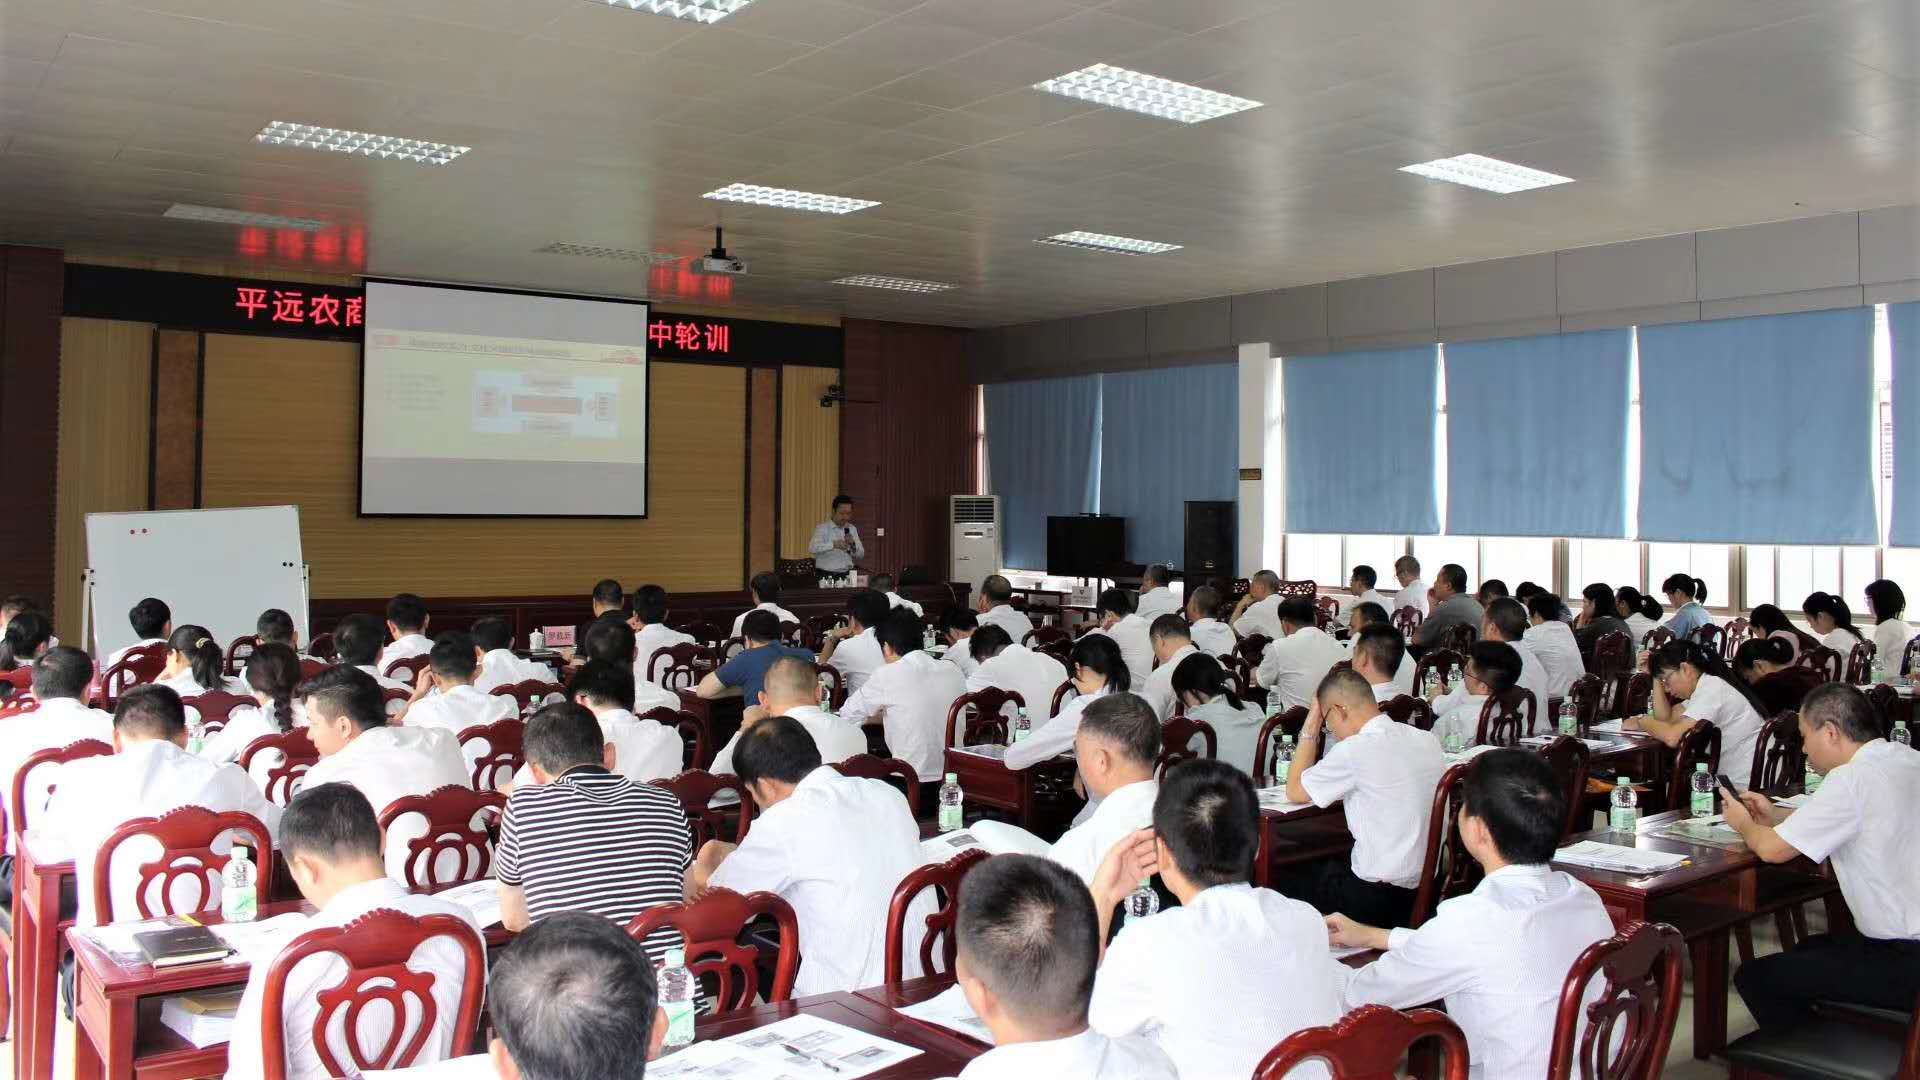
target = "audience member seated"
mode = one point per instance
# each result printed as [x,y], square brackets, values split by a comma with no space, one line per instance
[1860,820]
[1493,589]
[1156,596]
[1598,618]
[1202,683]
[765,587]
[1689,613]
[574,996]
[152,621]
[14,604]
[149,773]
[1497,957]
[791,688]
[60,678]
[1413,588]
[28,635]
[273,671]
[499,666]
[1527,590]
[1210,635]
[1379,652]
[1258,612]
[1493,668]
[1028,942]
[996,607]
[1361,583]
[1887,603]
[957,626]
[611,639]
[347,720]
[883,584]
[330,842]
[356,643]
[649,624]
[1452,607]
[1639,611]
[1261,955]
[1171,643]
[196,663]
[1506,621]
[1371,614]
[1832,622]
[407,623]
[1768,620]
[455,705]
[1765,665]
[908,696]
[834,847]
[608,600]
[581,837]
[853,649]
[1004,665]
[275,627]
[1551,642]
[1297,659]
[1385,773]
[1116,747]
[743,675]
[642,749]
[1691,683]
[1096,670]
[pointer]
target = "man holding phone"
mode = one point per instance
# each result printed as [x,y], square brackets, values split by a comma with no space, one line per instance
[1858,819]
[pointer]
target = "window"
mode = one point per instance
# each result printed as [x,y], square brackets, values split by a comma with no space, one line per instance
[1314,557]
[1761,562]
[1436,551]
[1516,560]
[1708,562]
[1903,566]
[1614,562]
[1378,552]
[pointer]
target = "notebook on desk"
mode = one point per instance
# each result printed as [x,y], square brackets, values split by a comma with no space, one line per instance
[180,945]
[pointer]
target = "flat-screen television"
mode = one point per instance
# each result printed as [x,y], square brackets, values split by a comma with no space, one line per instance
[1085,546]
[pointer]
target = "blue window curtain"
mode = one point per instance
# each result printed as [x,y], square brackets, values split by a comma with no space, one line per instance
[1537,435]
[1360,433]
[1758,430]
[1903,323]
[1043,446]
[1167,436]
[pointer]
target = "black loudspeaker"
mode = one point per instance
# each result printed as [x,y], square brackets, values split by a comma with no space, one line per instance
[1212,539]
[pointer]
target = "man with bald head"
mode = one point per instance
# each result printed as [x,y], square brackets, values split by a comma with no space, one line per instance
[791,687]
[1386,774]
[1258,612]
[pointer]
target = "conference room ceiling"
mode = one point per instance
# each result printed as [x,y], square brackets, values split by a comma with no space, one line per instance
[600,126]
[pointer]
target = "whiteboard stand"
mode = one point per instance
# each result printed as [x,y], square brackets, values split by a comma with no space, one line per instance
[86,610]
[304,621]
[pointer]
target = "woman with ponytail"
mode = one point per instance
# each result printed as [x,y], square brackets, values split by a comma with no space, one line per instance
[28,635]
[1691,684]
[195,663]
[1766,665]
[1832,622]
[1769,621]
[1199,682]
[272,672]
[1687,595]
[1632,608]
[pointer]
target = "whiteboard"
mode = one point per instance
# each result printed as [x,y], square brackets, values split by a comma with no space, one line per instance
[214,568]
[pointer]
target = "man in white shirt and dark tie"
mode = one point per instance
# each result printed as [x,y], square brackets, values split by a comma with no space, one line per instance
[407,621]
[1210,635]
[1156,594]
[330,844]
[1129,631]
[996,607]
[1299,657]
[834,847]
[1165,978]
[1029,940]
[1413,588]
[765,588]
[908,696]
[1552,642]
[1258,612]
[1171,643]
[853,649]
[1497,957]
[1362,583]
[836,546]
[1385,773]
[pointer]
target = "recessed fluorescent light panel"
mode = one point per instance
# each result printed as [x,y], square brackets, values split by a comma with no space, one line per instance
[1092,241]
[589,251]
[788,200]
[700,11]
[1485,173]
[903,284]
[1104,84]
[339,140]
[220,215]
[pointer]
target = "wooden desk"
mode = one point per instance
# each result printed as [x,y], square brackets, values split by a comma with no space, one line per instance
[913,992]
[1314,832]
[37,929]
[719,719]
[1037,798]
[942,1053]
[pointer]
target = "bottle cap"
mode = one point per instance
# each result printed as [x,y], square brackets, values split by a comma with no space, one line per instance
[1622,781]
[239,851]
[1701,767]
[953,778]
[676,958]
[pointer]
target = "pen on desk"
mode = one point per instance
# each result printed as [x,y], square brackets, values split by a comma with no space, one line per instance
[191,921]
[804,1056]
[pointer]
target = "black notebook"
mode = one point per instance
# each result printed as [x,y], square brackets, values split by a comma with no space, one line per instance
[180,945]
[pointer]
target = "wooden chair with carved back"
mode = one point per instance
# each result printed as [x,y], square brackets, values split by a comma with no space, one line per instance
[1567,756]
[140,664]
[695,789]
[1451,665]
[1267,749]
[1830,664]
[1407,709]
[718,948]
[186,862]
[1507,717]
[1447,870]
[1176,743]
[237,652]
[530,695]
[1588,695]
[696,752]
[1624,1032]
[214,707]
[946,880]
[323,647]
[407,669]
[979,718]
[503,753]
[1710,637]
[457,846]
[1612,664]
[890,770]
[684,665]
[1369,1043]
[1738,630]
[1860,664]
[293,754]
[1407,619]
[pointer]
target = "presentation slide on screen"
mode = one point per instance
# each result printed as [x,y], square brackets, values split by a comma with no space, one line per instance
[492,403]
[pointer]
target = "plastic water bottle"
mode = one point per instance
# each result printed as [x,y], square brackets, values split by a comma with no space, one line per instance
[1569,720]
[537,640]
[1142,901]
[239,902]
[1900,734]
[1022,725]
[1811,783]
[926,639]
[676,998]
[1432,686]
[952,804]
[1702,800]
[1454,743]
[196,733]
[1625,815]
[1283,764]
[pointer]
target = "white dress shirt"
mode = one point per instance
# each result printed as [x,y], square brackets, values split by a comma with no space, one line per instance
[649,640]
[1213,637]
[1294,665]
[245,724]
[387,763]
[1034,676]
[1125,810]
[1461,716]
[1716,700]
[909,698]
[1236,732]
[1498,957]
[385,683]
[121,653]
[895,600]
[960,655]
[1086,1056]
[832,560]
[501,667]
[837,739]
[1858,819]
[187,686]
[1386,774]
[643,749]
[1372,596]
[1156,602]
[1553,645]
[1052,736]
[1157,687]
[1403,678]
[1533,676]
[779,613]
[1639,625]
[1136,648]
[1890,639]
[835,850]
[1840,640]
[1008,618]
[856,658]
[96,796]
[458,709]
[57,722]
[404,647]
[1166,977]
[441,957]
[1414,595]
[1261,617]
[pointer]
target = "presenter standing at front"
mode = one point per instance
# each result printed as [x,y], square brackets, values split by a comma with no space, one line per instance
[836,543]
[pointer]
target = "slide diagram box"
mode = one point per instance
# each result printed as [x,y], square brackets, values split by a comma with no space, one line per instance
[517,402]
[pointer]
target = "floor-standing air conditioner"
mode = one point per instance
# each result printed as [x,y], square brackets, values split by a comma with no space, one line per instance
[975,520]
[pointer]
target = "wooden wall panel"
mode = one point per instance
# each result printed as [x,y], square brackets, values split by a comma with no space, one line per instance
[176,419]
[32,282]
[104,417]
[903,456]
[282,420]
[809,458]
[763,447]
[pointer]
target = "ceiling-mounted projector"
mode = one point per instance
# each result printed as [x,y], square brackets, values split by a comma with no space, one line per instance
[718,261]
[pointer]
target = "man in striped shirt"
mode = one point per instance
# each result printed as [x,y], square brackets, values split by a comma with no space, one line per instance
[584,838]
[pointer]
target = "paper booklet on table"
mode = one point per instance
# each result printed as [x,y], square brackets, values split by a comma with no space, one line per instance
[938,849]
[1610,727]
[1275,798]
[203,1018]
[800,1047]
[1712,830]
[1626,860]
[951,1011]
[259,942]
[480,898]
[1543,740]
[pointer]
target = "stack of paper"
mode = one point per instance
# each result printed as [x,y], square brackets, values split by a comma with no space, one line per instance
[798,1048]
[259,942]
[204,1018]
[1793,802]
[1591,744]
[1625,860]
[938,849]
[951,1011]
[1609,727]
[1275,799]
[480,898]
